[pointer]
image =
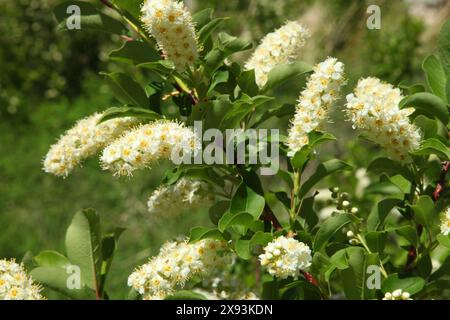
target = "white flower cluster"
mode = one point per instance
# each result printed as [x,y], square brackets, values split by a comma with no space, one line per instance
[171,24]
[85,139]
[185,194]
[398,294]
[148,143]
[374,107]
[322,90]
[15,284]
[176,263]
[279,47]
[445,223]
[286,257]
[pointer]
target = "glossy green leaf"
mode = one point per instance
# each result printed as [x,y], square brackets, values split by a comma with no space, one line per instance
[200,233]
[50,258]
[126,90]
[135,52]
[328,228]
[429,105]
[436,77]
[83,245]
[433,146]
[282,73]
[120,112]
[230,219]
[412,285]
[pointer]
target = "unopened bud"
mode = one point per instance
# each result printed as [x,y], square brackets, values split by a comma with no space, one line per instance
[350,234]
[354,210]
[345,204]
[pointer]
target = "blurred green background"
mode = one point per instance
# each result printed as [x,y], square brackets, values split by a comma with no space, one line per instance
[50,79]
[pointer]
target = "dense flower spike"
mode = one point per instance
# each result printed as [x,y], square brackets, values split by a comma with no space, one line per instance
[445,223]
[176,263]
[279,47]
[146,144]
[85,139]
[398,294]
[171,24]
[312,111]
[15,284]
[374,107]
[186,194]
[286,257]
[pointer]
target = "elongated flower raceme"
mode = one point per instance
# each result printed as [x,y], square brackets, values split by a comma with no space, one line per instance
[279,47]
[15,284]
[374,107]
[85,139]
[176,263]
[286,257]
[170,23]
[322,90]
[445,223]
[146,144]
[185,194]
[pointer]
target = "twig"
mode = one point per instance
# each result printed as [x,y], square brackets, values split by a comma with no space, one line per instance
[441,183]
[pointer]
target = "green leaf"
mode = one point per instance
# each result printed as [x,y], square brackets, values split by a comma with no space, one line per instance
[217,211]
[412,285]
[231,219]
[407,232]
[161,67]
[247,200]
[186,295]
[120,112]
[109,246]
[325,169]
[135,52]
[444,240]
[279,112]
[302,156]
[425,211]
[226,46]
[376,241]
[308,213]
[328,228]
[200,233]
[379,213]
[132,6]
[355,276]
[244,247]
[56,278]
[201,18]
[428,105]
[436,78]
[241,108]
[433,146]
[218,78]
[51,259]
[126,89]
[389,167]
[444,52]
[83,245]
[270,290]
[90,18]
[247,82]
[205,32]
[283,73]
